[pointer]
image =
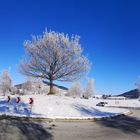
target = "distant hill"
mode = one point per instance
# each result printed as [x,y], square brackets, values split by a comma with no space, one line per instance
[45,84]
[60,87]
[131,94]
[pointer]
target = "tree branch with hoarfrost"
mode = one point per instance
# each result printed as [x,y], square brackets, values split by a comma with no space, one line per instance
[5,82]
[27,86]
[54,56]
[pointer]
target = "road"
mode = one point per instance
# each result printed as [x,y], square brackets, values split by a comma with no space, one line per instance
[119,128]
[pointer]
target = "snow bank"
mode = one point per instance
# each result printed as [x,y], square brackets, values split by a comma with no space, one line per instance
[63,107]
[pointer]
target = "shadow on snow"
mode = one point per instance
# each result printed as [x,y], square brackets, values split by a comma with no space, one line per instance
[84,110]
[12,107]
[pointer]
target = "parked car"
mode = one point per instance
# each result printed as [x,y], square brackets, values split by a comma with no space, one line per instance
[101,104]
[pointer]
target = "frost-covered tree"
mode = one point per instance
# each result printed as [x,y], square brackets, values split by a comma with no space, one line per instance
[54,56]
[5,82]
[27,86]
[14,90]
[89,90]
[39,86]
[75,90]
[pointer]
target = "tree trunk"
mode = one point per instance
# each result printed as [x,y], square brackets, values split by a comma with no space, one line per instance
[51,92]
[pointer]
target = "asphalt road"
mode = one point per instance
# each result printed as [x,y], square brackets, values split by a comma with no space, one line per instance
[119,128]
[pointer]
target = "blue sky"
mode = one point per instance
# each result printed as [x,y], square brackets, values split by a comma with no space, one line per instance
[109,30]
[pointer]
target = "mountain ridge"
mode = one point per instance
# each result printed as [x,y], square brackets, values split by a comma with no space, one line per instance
[132,94]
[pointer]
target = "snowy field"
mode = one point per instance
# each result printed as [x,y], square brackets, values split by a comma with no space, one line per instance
[57,107]
[128,103]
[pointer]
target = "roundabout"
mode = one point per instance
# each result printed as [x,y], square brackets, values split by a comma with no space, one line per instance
[57,108]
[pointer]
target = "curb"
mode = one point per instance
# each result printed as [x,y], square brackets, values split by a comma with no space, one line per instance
[135,108]
[64,119]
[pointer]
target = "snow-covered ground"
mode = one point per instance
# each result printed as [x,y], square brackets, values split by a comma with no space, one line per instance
[57,107]
[130,103]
